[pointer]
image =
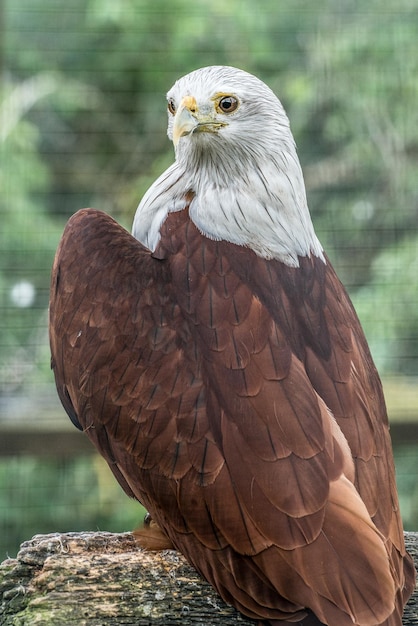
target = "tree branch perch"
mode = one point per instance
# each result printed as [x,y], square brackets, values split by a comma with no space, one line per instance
[104,579]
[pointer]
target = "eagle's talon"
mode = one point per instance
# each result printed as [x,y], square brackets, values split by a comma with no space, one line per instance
[151,537]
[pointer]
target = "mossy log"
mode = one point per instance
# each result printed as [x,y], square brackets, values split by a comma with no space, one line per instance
[104,579]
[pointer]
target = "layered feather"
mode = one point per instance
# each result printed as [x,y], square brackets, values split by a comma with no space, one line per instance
[209,378]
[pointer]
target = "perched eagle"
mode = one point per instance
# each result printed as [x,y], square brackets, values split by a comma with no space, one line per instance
[216,362]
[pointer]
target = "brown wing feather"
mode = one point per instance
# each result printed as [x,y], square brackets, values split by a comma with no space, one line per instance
[205,376]
[312,307]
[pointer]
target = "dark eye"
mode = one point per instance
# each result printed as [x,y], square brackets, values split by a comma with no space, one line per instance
[171,106]
[228,104]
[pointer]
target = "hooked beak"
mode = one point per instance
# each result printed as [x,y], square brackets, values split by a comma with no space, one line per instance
[188,119]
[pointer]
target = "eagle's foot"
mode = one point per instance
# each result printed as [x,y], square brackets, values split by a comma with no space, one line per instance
[151,537]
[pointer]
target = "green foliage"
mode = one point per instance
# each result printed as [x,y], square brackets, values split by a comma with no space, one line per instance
[389,311]
[365,72]
[27,237]
[407,481]
[83,100]
[42,496]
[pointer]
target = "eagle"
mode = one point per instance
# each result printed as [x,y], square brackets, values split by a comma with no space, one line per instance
[215,360]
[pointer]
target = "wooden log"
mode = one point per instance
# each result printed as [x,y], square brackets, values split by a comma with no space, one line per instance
[104,579]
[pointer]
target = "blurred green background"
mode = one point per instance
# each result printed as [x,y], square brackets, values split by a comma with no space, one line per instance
[82,123]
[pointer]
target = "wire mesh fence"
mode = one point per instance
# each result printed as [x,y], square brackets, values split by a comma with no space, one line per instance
[82,122]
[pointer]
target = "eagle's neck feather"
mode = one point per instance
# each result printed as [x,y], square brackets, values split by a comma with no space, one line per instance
[260,204]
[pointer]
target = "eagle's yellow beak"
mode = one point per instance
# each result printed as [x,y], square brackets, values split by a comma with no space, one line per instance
[189,119]
[185,120]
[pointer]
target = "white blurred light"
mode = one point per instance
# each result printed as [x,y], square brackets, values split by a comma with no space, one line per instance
[363,210]
[23,294]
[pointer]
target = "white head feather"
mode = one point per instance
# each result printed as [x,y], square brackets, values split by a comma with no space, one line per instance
[245,176]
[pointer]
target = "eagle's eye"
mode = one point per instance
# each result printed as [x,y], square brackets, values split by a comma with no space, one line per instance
[228,104]
[171,106]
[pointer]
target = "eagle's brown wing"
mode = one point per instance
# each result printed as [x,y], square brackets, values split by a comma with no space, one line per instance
[198,373]
[314,311]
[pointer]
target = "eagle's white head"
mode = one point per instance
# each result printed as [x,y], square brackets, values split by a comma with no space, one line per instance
[236,153]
